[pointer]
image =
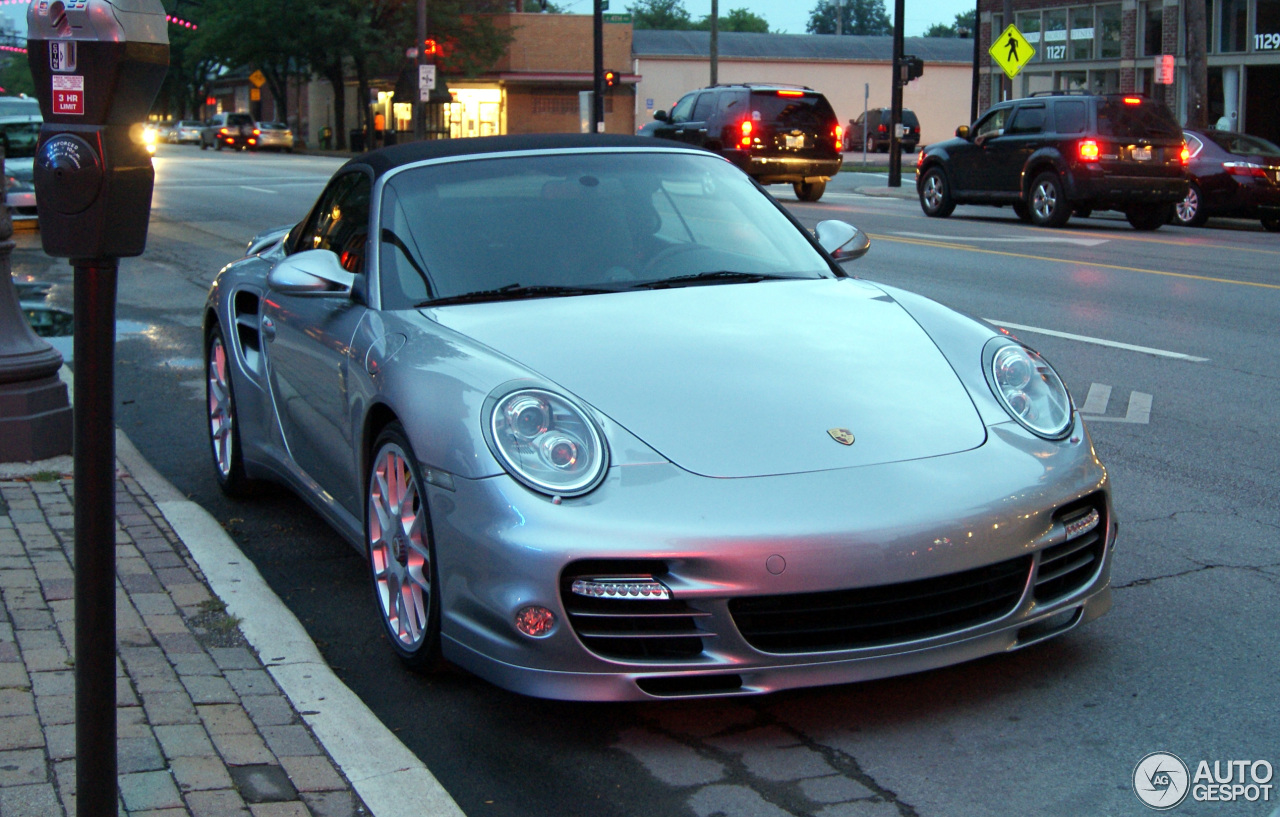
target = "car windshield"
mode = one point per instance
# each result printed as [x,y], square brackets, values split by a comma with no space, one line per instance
[536,225]
[1144,120]
[1244,143]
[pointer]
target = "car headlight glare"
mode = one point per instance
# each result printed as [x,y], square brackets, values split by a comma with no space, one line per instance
[548,443]
[1028,387]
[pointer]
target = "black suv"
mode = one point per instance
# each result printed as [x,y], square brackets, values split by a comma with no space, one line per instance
[775,133]
[1055,153]
[233,130]
[873,130]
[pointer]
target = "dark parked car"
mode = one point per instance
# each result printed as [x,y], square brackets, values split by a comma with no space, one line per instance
[778,134]
[1232,174]
[1055,153]
[876,130]
[232,130]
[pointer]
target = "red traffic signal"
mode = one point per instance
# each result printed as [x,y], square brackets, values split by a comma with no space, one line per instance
[430,48]
[610,79]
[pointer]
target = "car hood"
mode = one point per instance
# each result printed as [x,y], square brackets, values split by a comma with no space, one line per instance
[744,380]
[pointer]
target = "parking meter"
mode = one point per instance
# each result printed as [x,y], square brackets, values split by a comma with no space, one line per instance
[97,66]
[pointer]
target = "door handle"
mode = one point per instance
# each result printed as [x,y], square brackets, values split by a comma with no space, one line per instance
[268,329]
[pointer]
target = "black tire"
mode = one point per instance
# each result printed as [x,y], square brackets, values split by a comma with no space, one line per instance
[1048,205]
[1147,217]
[809,191]
[1082,212]
[217,144]
[871,145]
[401,553]
[935,194]
[223,421]
[1022,211]
[1190,212]
[1271,224]
[203,146]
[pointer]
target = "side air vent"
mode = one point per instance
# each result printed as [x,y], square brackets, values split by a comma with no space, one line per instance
[622,610]
[1070,565]
[245,306]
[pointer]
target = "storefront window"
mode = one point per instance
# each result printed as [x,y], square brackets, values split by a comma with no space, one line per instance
[1234,25]
[1082,34]
[1267,26]
[1108,25]
[1055,35]
[1152,28]
[1105,82]
[1073,81]
[1028,22]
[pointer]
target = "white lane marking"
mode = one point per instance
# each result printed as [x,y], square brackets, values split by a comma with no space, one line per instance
[1095,403]
[1049,239]
[1138,413]
[257,189]
[1098,341]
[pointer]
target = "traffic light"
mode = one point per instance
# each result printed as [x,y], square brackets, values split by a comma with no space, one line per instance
[610,79]
[909,68]
[430,48]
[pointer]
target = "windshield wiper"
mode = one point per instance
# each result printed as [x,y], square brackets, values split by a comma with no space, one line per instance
[718,277]
[515,292]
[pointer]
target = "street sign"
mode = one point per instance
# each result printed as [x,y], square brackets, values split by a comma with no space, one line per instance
[257,78]
[255,94]
[1164,69]
[617,18]
[426,82]
[1011,51]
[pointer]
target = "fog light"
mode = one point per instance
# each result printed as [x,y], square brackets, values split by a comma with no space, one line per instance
[535,622]
[642,587]
[1081,526]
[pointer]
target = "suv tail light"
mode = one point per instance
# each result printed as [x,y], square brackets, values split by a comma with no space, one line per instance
[791,93]
[1245,169]
[1184,155]
[838,133]
[747,127]
[1133,100]
[883,128]
[1088,150]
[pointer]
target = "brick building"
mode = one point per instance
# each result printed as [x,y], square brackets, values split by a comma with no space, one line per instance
[1115,46]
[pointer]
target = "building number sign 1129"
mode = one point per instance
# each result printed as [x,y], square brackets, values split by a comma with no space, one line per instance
[1266,42]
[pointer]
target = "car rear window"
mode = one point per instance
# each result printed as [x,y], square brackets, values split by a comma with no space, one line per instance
[809,110]
[239,119]
[1070,117]
[909,118]
[1143,120]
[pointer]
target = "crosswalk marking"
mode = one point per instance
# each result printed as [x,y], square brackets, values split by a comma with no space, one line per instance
[1095,406]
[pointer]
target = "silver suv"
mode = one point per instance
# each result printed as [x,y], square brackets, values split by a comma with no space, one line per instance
[232,130]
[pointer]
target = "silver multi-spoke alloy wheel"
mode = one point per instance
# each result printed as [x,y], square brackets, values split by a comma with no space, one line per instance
[399,547]
[1189,206]
[221,408]
[933,192]
[1044,200]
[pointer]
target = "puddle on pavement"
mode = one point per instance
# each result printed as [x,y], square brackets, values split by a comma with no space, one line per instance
[58,327]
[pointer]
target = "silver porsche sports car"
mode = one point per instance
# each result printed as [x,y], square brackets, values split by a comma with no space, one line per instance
[609,424]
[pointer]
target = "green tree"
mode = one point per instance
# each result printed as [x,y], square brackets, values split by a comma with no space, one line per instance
[962,27]
[737,20]
[664,15]
[15,75]
[856,17]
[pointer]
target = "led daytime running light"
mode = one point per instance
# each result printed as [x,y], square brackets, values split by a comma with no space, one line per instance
[1081,526]
[643,588]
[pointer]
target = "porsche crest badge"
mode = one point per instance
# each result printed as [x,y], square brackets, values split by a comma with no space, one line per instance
[841,435]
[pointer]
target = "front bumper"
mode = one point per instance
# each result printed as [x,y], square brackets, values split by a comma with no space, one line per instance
[501,548]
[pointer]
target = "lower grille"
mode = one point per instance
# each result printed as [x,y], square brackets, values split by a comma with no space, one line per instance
[630,629]
[876,616]
[1066,567]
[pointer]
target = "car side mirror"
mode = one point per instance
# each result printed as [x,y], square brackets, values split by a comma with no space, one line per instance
[311,272]
[963,131]
[661,116]
[842,240]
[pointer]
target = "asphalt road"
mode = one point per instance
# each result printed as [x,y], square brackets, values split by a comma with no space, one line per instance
[1166,338]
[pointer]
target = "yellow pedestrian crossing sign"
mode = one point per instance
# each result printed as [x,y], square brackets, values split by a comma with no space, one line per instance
[1011,51]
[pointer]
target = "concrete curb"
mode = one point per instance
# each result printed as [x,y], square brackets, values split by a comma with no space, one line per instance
[390,779]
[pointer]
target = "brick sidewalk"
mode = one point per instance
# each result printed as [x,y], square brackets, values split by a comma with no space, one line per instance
[203,729]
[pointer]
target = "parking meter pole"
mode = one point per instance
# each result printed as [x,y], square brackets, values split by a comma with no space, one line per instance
[895,147]
[95,536]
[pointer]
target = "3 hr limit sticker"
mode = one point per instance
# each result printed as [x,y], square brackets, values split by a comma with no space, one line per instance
[68,94]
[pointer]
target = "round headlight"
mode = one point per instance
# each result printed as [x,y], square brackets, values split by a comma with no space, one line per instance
[548,443]
[1028,387]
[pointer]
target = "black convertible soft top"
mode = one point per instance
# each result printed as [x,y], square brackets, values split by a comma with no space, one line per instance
[389,158]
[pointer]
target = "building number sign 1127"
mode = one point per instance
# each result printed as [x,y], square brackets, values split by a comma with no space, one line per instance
[1266,42]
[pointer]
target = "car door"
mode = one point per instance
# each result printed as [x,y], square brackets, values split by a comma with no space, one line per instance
[969,160]
[308,340]
[693,130]
[1007,153]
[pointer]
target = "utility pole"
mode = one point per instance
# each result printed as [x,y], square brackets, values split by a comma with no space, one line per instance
[597,96]
[1197,67]
[1006,82]
[419,103]
[977,27]
[895,114]
[715,41]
